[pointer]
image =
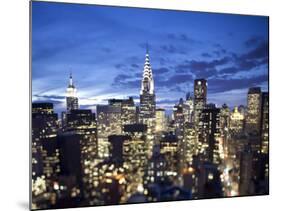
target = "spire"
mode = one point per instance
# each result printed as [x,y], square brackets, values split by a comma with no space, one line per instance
[71,90]
[70,80]
[147,50]
[147,81]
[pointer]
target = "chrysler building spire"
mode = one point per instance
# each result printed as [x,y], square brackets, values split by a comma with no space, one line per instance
[147,85]
[147,113]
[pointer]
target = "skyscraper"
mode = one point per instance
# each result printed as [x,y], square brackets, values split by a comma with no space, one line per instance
[200,98]
[135,156]
[160,120]
[188,108]
[45,154]
[128,110]
[169,145]
[253,116]
[236,121]
[179,120]
[147,112]
[265,122]
[71,98]
[189,147]
[109,123]
[225,117]
[80,133]
[246,172]
[209,136]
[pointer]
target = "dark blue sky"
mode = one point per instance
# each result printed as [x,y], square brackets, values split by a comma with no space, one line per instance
[104,48]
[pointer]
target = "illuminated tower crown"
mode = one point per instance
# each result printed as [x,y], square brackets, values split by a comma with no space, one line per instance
[147,85]
[71,96]
[71,90]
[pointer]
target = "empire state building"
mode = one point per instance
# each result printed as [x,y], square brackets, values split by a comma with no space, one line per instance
[71,98]
[147,113]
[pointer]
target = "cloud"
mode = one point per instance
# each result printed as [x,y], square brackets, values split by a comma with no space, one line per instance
[126,81]
[229,70]
[121,77]
[119,66]
[203,65]
[253,41]
[135,65]
[206,55]
[173,49]
[177,89]
[250,60]
[128,84]
[160,71]
[202,68]
[182,37]
[166,101]
[223,85]
[57,97]
[260,52]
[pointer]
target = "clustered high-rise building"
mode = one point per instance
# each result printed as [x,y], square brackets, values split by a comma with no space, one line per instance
[126,153]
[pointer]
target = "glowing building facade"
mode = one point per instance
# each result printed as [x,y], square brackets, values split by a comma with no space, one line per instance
[253,116]
[200,98]
[45,155]
[237,121]
[147,113]
[265,123]
[71,96]
[160,120]
[188,108]
[109,123]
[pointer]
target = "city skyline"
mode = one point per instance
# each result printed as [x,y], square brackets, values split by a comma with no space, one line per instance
[239,60]
[103,136]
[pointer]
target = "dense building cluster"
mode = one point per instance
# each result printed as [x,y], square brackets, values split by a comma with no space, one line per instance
[129,153]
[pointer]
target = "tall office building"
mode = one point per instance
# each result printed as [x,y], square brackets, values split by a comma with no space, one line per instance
[135,151]
[188,108]
[109,123]
[253,116]
[112,118]
[189,145]
[169,147]
[236,124]
[82,127]
[147,113]
[45,154]
[246,172]
[265,123]
[200,98]
[179,123]
[179,120]
[135,156]
[71,97]
[128,110]
[70,164]
[160,120]
[225,117]
[210,134]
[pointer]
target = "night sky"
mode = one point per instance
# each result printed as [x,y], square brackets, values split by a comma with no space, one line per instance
[104,48]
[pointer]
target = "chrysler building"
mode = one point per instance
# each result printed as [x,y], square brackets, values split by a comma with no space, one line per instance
[147,113]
